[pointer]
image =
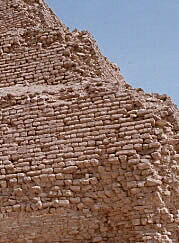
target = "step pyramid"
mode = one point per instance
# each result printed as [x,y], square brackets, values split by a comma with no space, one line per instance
[84,157]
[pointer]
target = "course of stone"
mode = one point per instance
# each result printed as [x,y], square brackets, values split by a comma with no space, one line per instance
[84,157]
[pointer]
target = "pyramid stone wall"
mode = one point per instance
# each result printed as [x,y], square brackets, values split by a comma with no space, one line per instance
[84,157]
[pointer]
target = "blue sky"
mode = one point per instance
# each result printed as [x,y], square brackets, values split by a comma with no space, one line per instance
[141,36]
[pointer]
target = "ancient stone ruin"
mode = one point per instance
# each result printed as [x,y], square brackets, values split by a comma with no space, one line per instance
[84,157]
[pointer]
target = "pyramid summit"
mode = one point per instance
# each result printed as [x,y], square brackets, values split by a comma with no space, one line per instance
[30,34]
[84,157]
[17,14]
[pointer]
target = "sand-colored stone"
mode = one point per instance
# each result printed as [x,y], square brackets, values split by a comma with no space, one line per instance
[84,157]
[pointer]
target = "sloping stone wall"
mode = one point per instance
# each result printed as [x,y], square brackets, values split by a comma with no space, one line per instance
[94,165]
[83,156]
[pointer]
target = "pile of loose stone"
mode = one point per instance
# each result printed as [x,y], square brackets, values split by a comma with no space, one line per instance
[84,157]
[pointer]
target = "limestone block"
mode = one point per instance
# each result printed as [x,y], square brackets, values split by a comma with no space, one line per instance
[13,181]
[75,200]
[70,169]
[44,178]
[147,172]
[136,221]
[47,171]
[36,189]
[3,184]
[18,191]
[153,182]
[135,191]
[75,188]
[131,184]
[154,145]
[156,155]
[133,161]
[87,201]
[63,203]
[144,164]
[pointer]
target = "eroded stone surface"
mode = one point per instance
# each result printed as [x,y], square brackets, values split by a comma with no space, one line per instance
[83,157]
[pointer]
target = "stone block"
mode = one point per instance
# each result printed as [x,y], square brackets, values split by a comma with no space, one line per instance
[153,182]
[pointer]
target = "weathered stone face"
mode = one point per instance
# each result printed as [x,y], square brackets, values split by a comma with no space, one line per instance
[83,156]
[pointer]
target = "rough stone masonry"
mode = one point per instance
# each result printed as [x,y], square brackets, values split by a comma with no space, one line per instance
[84,157]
